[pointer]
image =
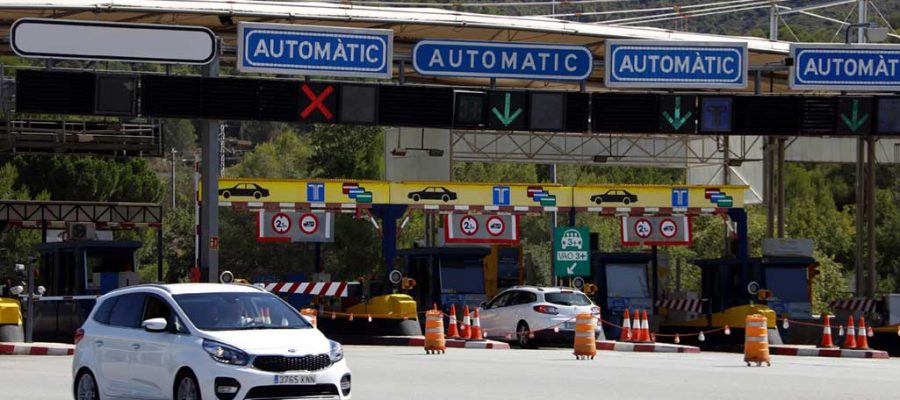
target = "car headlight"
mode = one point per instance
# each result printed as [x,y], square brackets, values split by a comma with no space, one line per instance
[224,353]
[337,351]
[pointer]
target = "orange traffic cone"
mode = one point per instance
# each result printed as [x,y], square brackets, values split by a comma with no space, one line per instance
[626,328]
[452,330]
[850,339]
[645,328]
[476,328]
[862,341]
[466,330]
[826,334]
[636,335]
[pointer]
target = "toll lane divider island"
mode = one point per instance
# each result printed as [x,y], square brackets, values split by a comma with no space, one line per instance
[449,197]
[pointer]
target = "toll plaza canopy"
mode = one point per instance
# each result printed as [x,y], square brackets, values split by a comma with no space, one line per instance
[410,25]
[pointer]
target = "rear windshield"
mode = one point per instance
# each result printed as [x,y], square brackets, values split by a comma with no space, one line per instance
[567,299]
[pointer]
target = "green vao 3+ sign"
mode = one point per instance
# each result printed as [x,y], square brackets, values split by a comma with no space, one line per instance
[571,254]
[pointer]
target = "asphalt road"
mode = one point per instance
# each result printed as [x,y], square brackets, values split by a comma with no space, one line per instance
[408,373]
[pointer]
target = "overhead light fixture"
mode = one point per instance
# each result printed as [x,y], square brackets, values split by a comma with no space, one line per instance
[735,162]
[398,152]
[600,159]
[435,153]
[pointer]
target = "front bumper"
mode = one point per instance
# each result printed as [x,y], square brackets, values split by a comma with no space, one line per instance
[258,384]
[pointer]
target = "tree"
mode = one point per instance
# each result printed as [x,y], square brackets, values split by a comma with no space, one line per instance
[342,151]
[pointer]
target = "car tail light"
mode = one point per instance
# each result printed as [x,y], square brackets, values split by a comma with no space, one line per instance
[546,310]
[79,334]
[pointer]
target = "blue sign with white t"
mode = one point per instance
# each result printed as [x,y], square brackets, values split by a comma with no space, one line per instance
[501,195]
[845,67]
[697,65]
[315,50]
[463,58]
[315,192]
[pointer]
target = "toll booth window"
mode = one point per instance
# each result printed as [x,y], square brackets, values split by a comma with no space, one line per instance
[627,280]
[787,284]
[459,277]
[57,273]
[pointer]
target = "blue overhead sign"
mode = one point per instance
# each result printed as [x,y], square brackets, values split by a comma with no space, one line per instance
[845,67]
[461,58]
[315,50]
[695,65]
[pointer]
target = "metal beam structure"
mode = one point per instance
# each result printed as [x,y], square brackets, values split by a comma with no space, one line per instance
[33,213]
[209,203]
[84,137]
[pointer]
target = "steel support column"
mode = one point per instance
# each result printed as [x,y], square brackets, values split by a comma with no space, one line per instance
[780,188]
[860,210]
[209,203]
[871,275]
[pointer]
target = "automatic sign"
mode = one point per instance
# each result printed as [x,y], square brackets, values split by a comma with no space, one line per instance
[656,231]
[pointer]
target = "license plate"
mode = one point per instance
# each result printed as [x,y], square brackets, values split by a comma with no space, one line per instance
[295,379]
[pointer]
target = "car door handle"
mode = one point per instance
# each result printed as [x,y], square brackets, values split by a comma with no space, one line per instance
[98,343]
[136,346]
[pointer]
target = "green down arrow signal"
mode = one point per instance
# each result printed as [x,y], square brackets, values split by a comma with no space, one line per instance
[678,121]
[856,122]
[506,118]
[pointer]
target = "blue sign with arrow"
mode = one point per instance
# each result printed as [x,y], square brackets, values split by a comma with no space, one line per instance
[315,50]
[845,67]
[667,64]
[463,58]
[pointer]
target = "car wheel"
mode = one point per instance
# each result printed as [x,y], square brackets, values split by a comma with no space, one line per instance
[626,201]
[522,338]
[226,194]
[598,200]
[86,387]
[186,387]
[257,195]
[445,198]
[416,198]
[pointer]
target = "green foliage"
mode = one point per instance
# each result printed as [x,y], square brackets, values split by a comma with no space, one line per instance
[89,178]
[179,134]
[830,285]
[286,156]
[342,151]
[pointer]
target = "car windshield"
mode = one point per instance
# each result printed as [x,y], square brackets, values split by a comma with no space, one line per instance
[239,311]
[567,299]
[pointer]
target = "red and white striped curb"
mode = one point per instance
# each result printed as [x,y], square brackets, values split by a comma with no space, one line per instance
[609,345]
[37,349]
[817,352]
[463,344]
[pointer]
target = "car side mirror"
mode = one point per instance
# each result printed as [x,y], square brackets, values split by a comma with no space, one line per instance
[484,305]
[155,325]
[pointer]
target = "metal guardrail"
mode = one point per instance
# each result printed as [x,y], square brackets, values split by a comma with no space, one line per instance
[109,138]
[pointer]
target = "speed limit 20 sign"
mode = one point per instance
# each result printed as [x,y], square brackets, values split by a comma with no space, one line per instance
[494,229]
[656,231]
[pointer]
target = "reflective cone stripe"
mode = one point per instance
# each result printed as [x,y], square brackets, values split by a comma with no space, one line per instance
[434,331]
[862,342]
[645,328]
[585,339]
[452,331]
[756,341]
[826,334]
[626,328]
[466,325]
[636,327]
[850,339]
[476,328]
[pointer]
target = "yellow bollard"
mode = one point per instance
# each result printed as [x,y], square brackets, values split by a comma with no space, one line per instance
[585,341]
[756,342]
[434,332]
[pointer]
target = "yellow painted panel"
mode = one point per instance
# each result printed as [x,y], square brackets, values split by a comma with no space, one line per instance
[658,196]
[299,191]
[480,194]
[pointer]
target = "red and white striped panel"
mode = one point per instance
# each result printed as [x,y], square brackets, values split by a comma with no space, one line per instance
[333,289]
[689,305]
[854,304]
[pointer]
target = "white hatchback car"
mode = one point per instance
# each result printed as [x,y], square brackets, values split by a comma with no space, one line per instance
[529,314]
[196,341]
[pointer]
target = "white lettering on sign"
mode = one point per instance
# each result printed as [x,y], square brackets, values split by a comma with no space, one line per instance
[691,64]
[508,60]
[323,51]
[572,255]
[849,67]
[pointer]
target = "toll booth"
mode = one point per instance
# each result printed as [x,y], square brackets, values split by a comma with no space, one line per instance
[781,283]
[446,275]
[78,268]
[503,268]
[623,282]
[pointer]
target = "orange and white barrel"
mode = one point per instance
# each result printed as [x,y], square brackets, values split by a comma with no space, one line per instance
[311,316]
[756,342]
[585,341]
[434,332]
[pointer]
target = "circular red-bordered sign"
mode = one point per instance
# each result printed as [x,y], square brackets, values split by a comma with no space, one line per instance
[468,225]
[643,228]
[668,228]
[496,226]
[281,223]
[309,223]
